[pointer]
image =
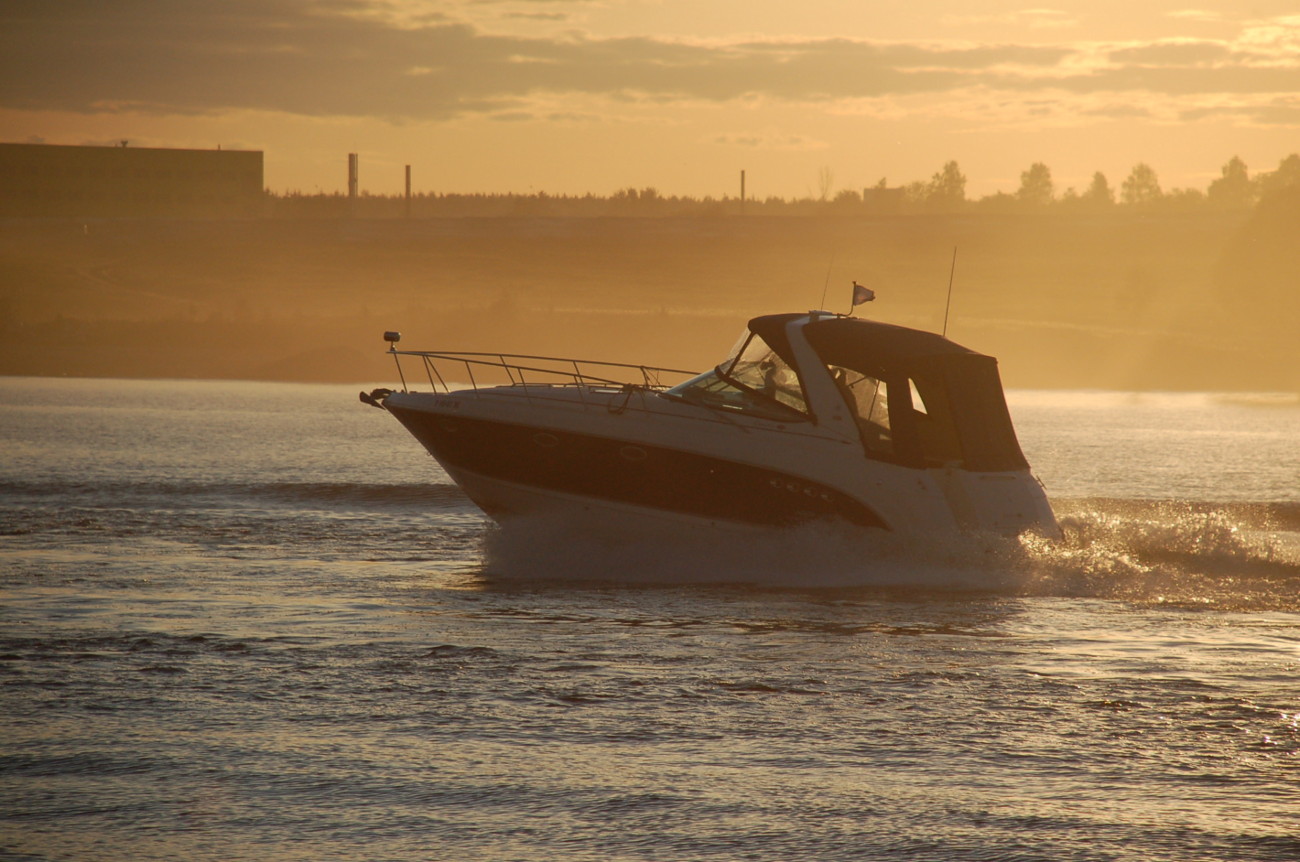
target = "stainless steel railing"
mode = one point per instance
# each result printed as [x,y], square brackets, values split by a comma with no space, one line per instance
[513,369]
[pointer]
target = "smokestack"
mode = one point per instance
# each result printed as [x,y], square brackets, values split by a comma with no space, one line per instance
[352,176]
[408,191]
[742,192]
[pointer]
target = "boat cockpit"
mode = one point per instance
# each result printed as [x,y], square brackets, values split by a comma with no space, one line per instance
[912,398]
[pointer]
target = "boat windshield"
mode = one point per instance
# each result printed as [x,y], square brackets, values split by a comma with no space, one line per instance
[753,380]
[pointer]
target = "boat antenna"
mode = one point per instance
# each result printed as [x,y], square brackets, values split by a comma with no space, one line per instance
[948,305]
[827,283]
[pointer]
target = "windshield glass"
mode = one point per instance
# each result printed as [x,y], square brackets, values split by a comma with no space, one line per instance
[752,380]
[758,368]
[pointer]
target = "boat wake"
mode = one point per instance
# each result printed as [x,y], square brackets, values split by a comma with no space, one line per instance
[1174,554]
[1239,557]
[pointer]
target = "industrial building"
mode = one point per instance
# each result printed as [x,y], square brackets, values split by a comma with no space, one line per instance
[50,181]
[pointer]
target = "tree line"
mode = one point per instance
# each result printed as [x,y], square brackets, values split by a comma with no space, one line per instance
[1235,189]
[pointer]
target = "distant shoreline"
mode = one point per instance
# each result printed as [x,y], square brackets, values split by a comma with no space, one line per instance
[1124,304]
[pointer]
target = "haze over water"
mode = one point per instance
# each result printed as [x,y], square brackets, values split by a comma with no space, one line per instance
[256,621]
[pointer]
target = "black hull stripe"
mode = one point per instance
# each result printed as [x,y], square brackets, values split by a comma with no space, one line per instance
[636,474]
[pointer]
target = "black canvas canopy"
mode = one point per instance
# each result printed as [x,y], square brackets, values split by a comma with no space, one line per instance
[963,415]
[851,341]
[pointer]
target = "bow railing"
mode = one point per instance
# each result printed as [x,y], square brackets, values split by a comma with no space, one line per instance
[513,369]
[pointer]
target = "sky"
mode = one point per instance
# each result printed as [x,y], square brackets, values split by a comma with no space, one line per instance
[592,96]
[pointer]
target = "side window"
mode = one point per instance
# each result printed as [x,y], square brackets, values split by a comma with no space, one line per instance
[934,428]
[918,402]
[868,401]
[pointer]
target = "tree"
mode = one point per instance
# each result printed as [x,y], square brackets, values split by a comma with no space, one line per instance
[1099,192]
[1142,186]
[947,188]
[1256,273]
[998,202]
[847,199]
[1183,199]
[1036,189]
[1286,176]
[1233,190]
[825,182]
[916,192]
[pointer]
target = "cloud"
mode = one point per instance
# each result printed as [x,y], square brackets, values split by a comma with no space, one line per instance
[1205,15]
[538,16]
[1278,112]
[1118,111]
[362,58]
[1172,53]
[768,141]
[571,117]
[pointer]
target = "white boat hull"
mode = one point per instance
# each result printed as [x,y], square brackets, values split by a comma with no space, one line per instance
[922,446]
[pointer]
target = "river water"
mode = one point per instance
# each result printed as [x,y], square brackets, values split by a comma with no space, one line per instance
[255,621]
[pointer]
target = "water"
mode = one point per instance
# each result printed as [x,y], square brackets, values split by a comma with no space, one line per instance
[255,621]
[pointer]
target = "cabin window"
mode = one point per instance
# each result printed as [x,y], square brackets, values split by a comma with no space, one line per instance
[918,403]
[936,432]
[868,400]
[753,380]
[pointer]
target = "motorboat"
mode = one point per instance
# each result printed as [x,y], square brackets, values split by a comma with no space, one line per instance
[811,417]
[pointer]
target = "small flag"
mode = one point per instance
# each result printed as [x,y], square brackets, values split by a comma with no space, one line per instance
[862,294]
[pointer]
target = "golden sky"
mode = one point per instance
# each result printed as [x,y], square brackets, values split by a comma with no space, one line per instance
[577,96]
